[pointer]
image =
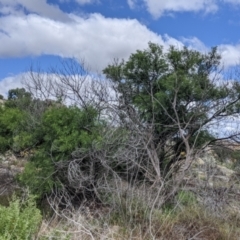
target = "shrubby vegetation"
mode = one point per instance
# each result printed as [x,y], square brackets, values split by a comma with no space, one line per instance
[125,142]
[20,220]
[63,130]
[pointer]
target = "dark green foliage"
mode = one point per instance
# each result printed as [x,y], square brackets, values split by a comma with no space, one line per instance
[14,121]
[63,130]
[48,132]
[11,120]
[200,138]
[18,93]
[39,175]
[18,97]
[173,93]
[150,79]
[66,129]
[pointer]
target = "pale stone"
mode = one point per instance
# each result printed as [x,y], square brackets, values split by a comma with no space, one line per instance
[210,159]
[226,171]
[201,175]
[199,162]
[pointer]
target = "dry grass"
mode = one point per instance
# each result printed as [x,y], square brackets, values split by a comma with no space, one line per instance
[185,218]
[194,222]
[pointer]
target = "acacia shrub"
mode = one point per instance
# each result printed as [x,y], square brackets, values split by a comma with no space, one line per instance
[64,130]
[173,96]
[11,120]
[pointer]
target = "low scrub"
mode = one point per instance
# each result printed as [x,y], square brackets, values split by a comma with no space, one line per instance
[20,220]
[131,215]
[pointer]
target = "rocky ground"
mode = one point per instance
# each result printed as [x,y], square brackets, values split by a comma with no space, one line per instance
[10,166]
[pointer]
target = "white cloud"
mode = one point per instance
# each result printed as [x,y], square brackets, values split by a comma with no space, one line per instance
[132,3]
[92,89]
[10,83]
[96,39]
[159,7]
[195,43]
[230,54]
[38,6]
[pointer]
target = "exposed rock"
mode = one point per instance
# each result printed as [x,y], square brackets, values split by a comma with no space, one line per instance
[199,162]
[209,158]
[226,171]
[10,166]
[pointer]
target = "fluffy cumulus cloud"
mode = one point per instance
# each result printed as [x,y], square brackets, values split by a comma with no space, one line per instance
[230,54]
[96,39]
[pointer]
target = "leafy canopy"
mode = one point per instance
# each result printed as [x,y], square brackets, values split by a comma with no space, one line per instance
[63,130]
[151,80]
[174,93]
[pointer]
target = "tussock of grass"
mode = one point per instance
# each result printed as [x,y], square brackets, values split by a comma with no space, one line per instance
[193,222]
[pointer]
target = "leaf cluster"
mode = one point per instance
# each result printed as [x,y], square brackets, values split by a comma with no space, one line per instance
[20,220]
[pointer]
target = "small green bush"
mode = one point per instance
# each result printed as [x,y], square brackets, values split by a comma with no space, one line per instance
[10,123]
[63,130]
[20,220]
[38,175]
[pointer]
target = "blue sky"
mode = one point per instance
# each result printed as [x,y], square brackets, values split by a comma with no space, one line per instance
[40,31]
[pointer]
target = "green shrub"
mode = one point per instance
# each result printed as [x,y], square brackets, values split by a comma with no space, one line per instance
[11,120]
[38,175]
[63,130]
[3,144]
[20,220]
